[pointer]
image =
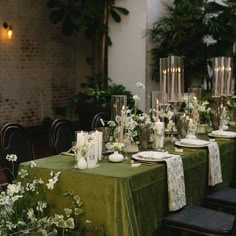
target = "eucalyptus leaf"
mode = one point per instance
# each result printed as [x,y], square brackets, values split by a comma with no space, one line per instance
[116,17]
[124,11]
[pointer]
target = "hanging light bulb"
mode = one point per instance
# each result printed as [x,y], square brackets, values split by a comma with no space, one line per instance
[9,32]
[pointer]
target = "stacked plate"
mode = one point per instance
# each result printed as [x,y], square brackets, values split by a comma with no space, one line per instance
[192,143]
[151,156]
[222,134]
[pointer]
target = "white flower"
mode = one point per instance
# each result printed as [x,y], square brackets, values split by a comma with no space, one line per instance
[23,173]
[140,85]
[53,181]
[11,157]
[111,123]
[118,146]
[13,188]
[208,40]
[136,98]
[41,206]
[30,213]
[32,164]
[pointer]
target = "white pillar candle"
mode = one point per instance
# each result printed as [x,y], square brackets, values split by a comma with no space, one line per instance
[172,84]
[159,135]
[228,81]
[122,122]
[179,85]
[94,139]
[81,139]
[99,136]
[91,155]
[164,82]
[222,79]
[216,81]
[157,110]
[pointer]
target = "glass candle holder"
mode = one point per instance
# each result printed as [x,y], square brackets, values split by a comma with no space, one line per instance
[118,102]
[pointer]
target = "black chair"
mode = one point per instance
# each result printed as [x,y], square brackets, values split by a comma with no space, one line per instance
[223,200]
[199,220]
[15,140]
[98,120]
[61,135]
[6,177]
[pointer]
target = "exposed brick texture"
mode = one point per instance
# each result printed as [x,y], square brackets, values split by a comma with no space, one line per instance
[37,66]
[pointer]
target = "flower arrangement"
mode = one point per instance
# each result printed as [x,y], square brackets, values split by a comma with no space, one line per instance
[204,112]
[23,209]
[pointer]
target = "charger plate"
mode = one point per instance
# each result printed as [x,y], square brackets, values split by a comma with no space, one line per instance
[151,156]
[192,143]
[222,134]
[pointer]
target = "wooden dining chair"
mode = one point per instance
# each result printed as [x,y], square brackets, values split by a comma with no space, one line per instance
[61,135]
[199,220]
[15,139]
[98,120]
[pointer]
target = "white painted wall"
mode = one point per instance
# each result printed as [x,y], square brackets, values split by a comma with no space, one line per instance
[129,56]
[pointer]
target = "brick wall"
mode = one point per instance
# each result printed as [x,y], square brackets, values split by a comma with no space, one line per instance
[38,66]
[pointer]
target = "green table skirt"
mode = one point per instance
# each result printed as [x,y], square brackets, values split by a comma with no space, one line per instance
[130,201]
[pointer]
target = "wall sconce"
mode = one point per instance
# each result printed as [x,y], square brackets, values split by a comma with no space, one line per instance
[9,29]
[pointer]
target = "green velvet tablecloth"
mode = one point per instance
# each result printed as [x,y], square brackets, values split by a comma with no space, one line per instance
[130,201]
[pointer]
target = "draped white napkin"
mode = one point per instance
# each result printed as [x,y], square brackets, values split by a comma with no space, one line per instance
[214,172]
[175,183]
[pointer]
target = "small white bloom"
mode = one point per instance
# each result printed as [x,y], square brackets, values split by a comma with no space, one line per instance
[13,188]
[11,157]
[140,85]
[30,213]
[32,164]
[136,98]
[208,40]
[23,173]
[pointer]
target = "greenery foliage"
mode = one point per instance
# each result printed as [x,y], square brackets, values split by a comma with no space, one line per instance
[24,209]
[83,16]
[96,94]
[197,30]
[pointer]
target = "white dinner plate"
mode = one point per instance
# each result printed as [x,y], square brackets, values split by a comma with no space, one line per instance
[151,156]
[222,134]
[192,143]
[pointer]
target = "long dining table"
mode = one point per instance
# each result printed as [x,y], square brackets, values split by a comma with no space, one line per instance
[126,200]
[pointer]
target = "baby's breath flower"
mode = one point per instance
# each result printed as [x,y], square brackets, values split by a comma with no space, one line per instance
[11,157]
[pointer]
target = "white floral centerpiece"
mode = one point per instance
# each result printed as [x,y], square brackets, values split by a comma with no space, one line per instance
[202,110]
[23,209]
[134,123]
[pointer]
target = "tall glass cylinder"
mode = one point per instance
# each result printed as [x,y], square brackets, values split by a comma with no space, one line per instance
[223,83]
[163,79]
[175,84]
[180,79]
[172,77]
[118,102]
[229,82]
[216,80]
[158,103]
